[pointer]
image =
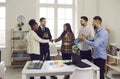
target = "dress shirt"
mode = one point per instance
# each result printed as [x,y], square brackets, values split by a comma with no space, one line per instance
[99,43]
[88,31]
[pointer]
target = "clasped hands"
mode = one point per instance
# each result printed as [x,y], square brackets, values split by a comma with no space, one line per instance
[54,40]
[83,37]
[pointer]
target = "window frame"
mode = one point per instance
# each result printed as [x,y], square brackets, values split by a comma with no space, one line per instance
[56,6]
[3,4]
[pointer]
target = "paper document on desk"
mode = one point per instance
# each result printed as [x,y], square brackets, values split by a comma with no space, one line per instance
[55,65]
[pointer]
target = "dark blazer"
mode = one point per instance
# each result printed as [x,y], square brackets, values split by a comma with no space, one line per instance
[40,33]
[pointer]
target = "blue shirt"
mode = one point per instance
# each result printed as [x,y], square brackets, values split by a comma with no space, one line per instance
[99,43]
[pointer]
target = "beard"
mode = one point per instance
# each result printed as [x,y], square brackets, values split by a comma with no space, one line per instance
[82,24]
[95,28]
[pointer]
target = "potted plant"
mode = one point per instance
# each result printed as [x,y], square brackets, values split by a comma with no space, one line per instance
[75,49]
[20,24]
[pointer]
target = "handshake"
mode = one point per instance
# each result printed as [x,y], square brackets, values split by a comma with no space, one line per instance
[52,40]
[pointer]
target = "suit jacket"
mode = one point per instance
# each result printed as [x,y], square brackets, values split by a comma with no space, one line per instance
[33,41]
[40,33]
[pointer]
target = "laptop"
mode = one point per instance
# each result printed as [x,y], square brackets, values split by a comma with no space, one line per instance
[76,60]
[35,65]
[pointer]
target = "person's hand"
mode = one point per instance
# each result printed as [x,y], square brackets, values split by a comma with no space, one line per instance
[51,40]
[66,43]
[54,40]
[83,37]
[45,35]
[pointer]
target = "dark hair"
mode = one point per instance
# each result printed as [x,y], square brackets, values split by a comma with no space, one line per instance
[42,18]
[68,26]
[98,18]
[32,22]
[84,18]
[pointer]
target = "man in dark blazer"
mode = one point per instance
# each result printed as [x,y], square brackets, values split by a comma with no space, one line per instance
[44,33]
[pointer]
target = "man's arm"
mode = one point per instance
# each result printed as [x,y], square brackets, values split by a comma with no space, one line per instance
[49,34]
[91,34]
[96,42]
[38,39]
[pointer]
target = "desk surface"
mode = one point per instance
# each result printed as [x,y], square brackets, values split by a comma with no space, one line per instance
[45,71]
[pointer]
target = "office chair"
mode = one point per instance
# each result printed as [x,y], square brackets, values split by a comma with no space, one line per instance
[83,73]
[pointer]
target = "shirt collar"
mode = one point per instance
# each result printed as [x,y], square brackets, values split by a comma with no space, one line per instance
[99,29]
[42,26]
[85,26]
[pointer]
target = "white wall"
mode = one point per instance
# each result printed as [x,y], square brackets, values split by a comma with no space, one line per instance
[109,10]
[87,8]
[15,8]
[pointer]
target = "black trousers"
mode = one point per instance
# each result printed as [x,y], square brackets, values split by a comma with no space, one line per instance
[36,57]
[86,55]
[66,56]
[45,53]
[101,64]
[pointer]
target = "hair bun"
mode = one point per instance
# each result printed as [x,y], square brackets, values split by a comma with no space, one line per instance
[32,22]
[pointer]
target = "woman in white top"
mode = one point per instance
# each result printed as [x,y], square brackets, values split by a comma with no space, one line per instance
[33,47]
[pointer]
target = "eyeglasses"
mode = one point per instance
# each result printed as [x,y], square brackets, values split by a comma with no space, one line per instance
[44,21]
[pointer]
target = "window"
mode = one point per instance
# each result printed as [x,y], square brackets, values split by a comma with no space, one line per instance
[49,14]
[2,1]
[2,23]
[57,13]
[47,1]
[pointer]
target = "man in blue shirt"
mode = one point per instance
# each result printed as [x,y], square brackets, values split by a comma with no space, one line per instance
[99,44]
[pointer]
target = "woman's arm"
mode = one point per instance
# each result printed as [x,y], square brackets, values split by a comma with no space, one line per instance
[72,37]
[37,38]
[59,38]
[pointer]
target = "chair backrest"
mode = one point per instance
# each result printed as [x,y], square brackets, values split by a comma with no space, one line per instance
[83,73]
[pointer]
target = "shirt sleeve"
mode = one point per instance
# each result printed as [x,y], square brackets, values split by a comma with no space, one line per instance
[37,38]
[49,34]
[96,43]
[59,38]
[91,34]
[79,33]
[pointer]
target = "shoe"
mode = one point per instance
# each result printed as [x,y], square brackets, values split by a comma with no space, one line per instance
[66,77]
[53,77]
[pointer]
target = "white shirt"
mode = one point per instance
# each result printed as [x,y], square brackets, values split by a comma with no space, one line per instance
[42,27]
[88,31]
[33,41]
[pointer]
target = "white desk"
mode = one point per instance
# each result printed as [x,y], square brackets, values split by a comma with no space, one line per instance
[26,73]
